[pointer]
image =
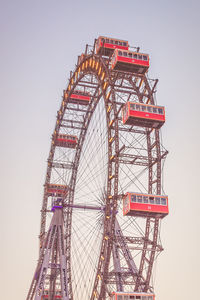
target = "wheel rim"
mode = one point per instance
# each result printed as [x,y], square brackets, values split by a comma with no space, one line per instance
[90,240]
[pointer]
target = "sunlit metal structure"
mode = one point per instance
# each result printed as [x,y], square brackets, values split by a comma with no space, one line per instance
[89,249]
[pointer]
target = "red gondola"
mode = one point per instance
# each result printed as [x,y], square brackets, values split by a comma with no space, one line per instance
[137,204]
[145,115]
[130,61]
[106,46]
[46,295]
[66,140]
[132,296]
[56,190]
[78,97]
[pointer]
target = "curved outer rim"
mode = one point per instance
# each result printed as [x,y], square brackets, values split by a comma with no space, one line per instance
[91,64]
[103,78]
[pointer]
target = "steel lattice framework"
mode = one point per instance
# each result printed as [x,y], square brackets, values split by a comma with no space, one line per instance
[104,250]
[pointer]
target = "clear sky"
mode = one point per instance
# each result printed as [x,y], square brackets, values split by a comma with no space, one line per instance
[40,42]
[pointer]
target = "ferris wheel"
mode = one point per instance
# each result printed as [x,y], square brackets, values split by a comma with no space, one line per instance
[104,178]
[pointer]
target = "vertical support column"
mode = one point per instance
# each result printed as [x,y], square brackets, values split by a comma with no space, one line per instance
[52,255]
[149,161]
[117,268]
[153,250]
[45,264]
[158,162]
[63,265]
[144,252]
[125,250]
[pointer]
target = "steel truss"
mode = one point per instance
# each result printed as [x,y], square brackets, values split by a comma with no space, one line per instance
[123,248]
[52,263]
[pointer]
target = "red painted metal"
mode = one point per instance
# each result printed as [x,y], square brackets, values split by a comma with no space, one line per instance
[65,140]
[133,61]
[56,190]
[78,97]
[134,208]
[130,61]
[107,45]
[133,295]
[144,115]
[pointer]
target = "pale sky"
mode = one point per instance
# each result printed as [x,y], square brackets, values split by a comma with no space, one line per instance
[40,42]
